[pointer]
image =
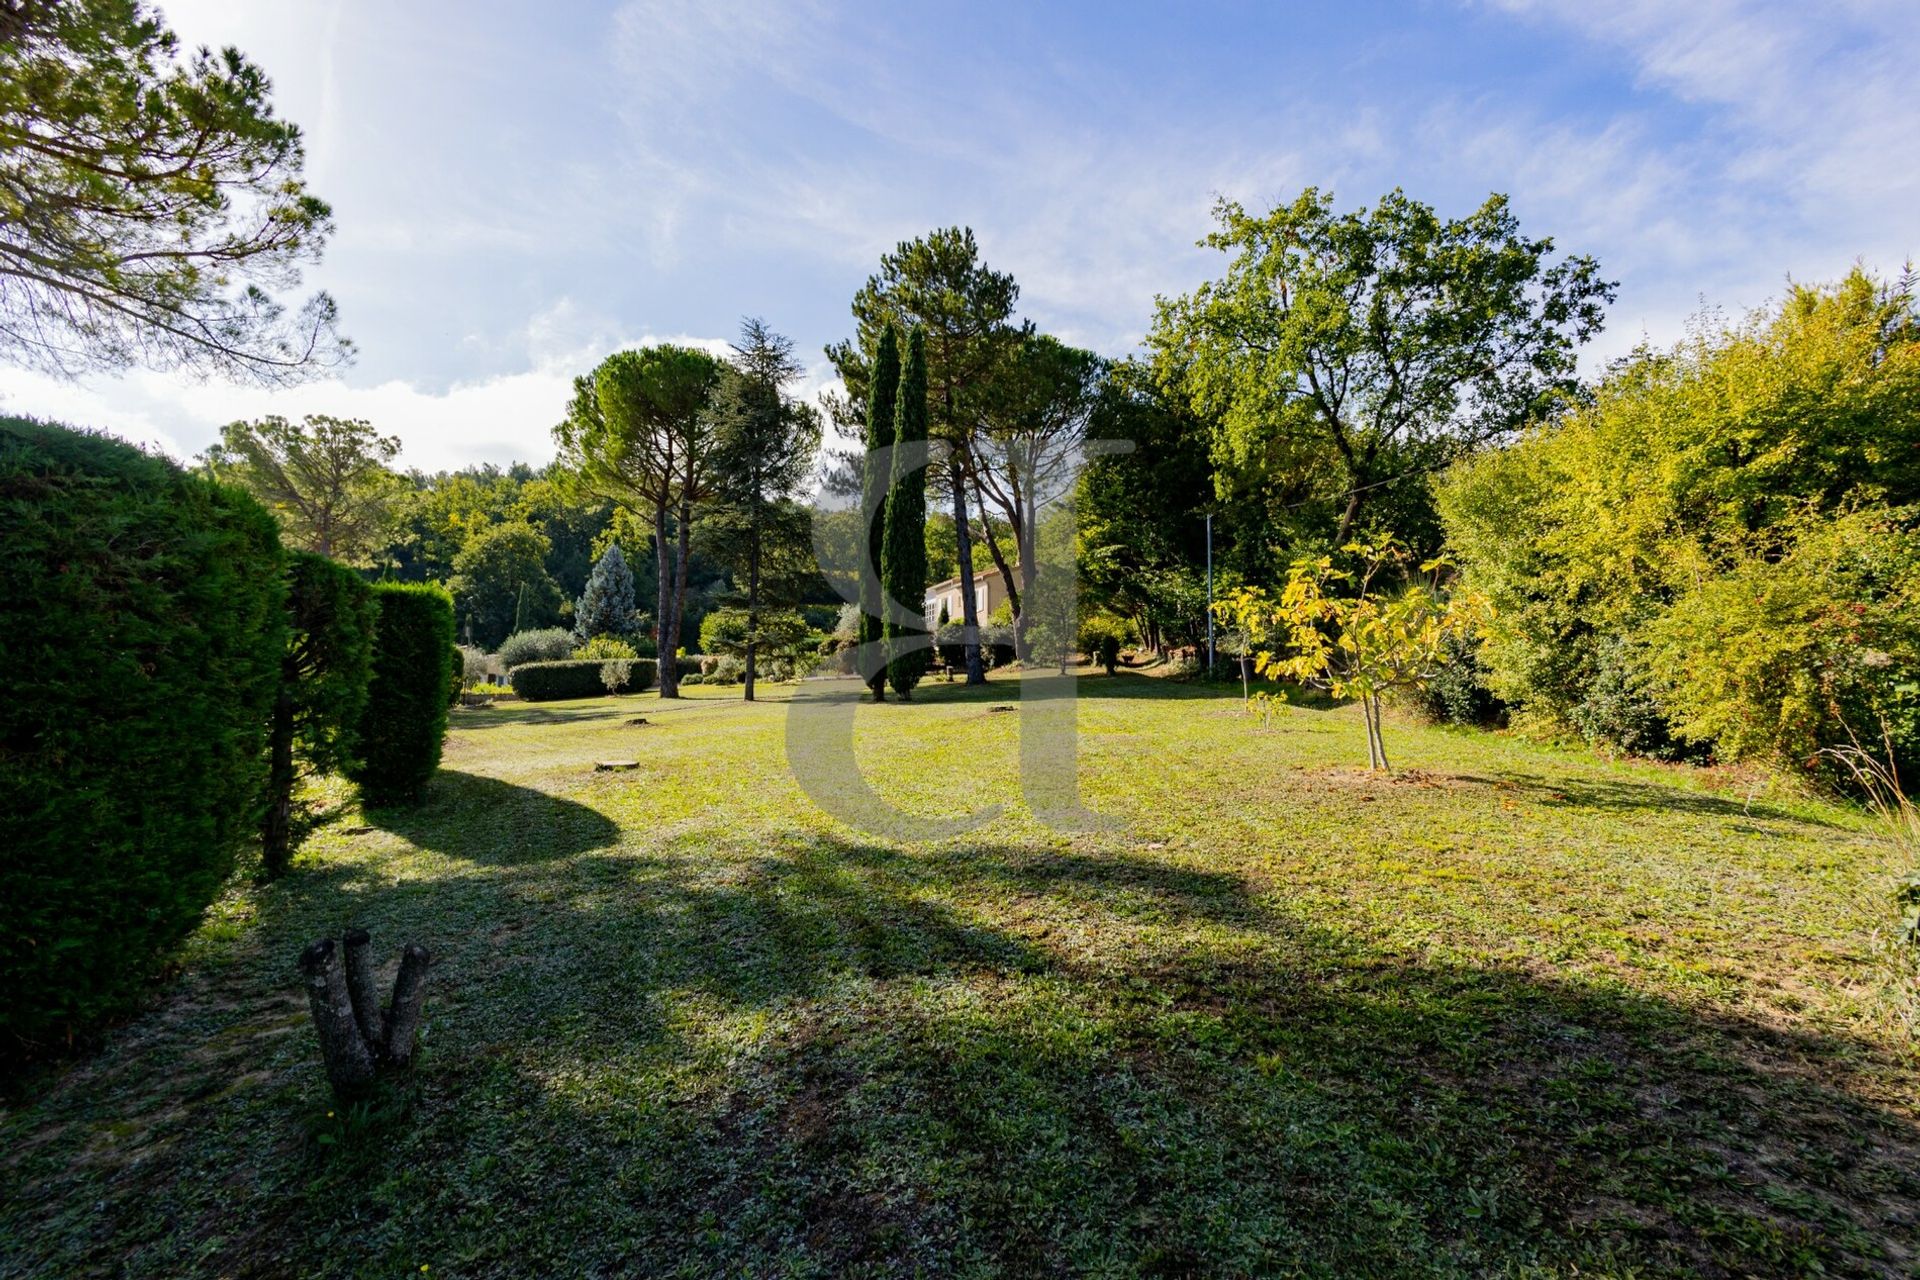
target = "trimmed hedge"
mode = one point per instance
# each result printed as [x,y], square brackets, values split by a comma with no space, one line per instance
[142,627]
[577,678]
[406,717]
[324,679]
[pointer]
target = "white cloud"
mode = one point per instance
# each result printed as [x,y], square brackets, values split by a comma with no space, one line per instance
[502,418]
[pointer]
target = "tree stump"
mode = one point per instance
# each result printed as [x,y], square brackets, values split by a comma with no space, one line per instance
[360,986]
[359,1040]
[402,1022]
[349,1062]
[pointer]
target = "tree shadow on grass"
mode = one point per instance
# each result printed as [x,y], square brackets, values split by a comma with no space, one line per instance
[1630,794]
[835,1057]
[502,715]
[485,820]
[1005,688]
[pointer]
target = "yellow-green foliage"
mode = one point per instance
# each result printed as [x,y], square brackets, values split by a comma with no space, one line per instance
[606,648]
[1358,645]
[1781,658]
[1716,458]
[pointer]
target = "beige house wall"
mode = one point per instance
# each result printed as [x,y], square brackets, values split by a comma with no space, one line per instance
[989,590]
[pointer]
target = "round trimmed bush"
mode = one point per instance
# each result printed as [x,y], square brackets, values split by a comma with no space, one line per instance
[141,629]
[406,716]
[551,644]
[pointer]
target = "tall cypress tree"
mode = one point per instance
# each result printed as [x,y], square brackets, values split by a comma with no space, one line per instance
[873,494]
[904,562]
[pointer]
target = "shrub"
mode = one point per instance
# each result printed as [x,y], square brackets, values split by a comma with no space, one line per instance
[1620,707]
[996,644]
[324,677]
[1101,638]
[553,681]
[406,718]
[142,626]
[724,631]
[552,644]
[1783,659]
[605,648]
[1457,692]
[477,666]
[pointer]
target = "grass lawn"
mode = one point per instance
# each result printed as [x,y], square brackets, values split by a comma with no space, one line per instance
[1512,1012]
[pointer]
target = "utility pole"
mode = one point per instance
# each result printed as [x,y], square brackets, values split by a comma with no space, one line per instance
[1210,658]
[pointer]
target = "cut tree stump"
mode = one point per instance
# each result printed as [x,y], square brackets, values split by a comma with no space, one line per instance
[609,766]
[359,1041]
[402,1024]
[350,1067]
[357,944]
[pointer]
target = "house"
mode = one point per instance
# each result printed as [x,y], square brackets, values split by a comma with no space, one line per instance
[989,593]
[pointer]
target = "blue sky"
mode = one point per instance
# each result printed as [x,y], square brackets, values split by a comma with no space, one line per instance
[520,189]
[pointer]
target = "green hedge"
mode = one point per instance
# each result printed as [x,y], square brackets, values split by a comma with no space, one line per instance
[331,615]
[577,678]
[141,629]
[406,717]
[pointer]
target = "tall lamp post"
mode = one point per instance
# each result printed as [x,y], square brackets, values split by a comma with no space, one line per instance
[1210,657]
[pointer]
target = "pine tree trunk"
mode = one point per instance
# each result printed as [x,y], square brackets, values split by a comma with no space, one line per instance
[969,607]
[664,627]
[348,1060]
[680,588]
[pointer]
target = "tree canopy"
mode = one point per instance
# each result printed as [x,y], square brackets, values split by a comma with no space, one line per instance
[325,479]
[1660,556]
[1342,354]
[151,205]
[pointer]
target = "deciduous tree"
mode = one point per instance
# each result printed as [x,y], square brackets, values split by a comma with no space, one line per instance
[1030,427]
[1351,352]
[1343,632]
[500,583]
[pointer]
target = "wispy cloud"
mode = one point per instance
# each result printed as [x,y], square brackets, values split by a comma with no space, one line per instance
[521,193]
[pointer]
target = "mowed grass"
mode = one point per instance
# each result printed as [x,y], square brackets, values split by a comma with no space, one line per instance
[1511,1012]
